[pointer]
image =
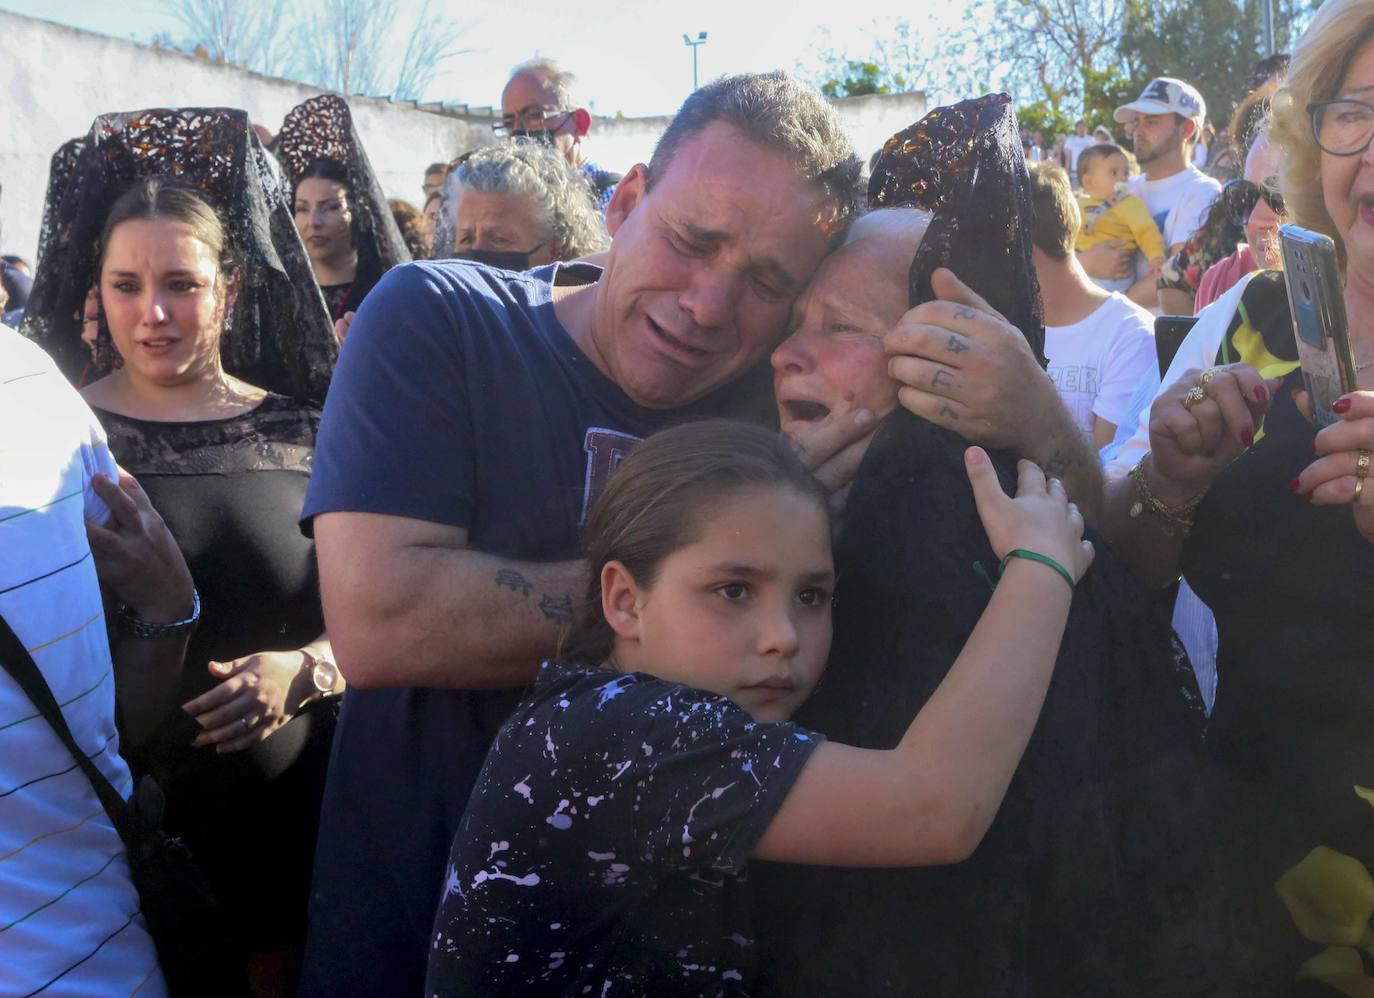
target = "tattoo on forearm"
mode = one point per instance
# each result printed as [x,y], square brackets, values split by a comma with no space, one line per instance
[508,578]
[942,378]
[956,344]
[949,413]
[557,608]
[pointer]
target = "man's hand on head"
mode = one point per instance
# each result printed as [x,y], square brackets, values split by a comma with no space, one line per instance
[961,365]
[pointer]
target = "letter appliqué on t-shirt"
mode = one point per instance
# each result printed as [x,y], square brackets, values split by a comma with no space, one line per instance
[605,450]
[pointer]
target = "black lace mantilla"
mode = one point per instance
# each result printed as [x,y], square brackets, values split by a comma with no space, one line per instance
[279,336]
[322,127]
[277,435]
[964,163]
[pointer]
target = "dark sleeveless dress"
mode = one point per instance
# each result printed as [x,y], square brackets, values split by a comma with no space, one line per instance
[230,491]
[1292,732]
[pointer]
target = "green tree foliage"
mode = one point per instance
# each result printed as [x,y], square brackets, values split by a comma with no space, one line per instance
[1065,59]
[897,58]
[1213,44]
[861,78]
[1053,50]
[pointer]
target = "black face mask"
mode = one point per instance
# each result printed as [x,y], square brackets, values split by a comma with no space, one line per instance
[543,136]
[503,259]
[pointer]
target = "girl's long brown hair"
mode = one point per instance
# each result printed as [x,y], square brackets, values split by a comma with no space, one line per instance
[658,500]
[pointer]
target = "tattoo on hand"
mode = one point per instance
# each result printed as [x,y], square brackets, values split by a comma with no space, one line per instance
[942,378]
[508,578]
[949,413]
[964,312]
[956,344]
[557,608]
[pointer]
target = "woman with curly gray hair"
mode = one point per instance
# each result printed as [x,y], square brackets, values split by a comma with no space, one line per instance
[518,205]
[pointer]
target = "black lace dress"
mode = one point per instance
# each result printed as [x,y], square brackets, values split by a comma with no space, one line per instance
[230,491]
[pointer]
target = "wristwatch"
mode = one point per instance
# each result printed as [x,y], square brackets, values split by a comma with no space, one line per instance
[323,673]
[131,623]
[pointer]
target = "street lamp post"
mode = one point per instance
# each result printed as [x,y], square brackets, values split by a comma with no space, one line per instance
[694,45]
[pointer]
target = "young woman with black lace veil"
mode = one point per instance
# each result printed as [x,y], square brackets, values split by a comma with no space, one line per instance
[341,213]
[1093,877]
[208,366]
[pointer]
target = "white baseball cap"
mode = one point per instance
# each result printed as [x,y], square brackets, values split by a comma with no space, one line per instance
[1165,95]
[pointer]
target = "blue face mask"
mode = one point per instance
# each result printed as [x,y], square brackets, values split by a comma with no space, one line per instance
[502,259]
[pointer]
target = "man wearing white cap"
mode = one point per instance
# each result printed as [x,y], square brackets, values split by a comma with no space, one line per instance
[1163,125]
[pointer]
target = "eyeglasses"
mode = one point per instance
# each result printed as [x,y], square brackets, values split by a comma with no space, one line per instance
[1342,127]
[1239,197]
[532,119]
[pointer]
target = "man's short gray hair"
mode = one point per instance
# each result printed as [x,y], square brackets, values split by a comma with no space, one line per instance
[556,78]
[563,200]
[778,112]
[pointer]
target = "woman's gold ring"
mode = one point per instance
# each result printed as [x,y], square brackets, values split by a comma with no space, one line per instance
[1359,488]
[1362,465]
[1205,378]
[1195,395]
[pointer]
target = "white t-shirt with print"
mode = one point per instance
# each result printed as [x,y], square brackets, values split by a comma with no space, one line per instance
[1179,203]
[69,915]
[1097,362]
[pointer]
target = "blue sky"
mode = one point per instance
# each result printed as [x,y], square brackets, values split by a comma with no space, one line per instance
[629,54]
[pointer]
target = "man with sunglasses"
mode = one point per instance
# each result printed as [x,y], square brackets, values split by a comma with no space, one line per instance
[538,103]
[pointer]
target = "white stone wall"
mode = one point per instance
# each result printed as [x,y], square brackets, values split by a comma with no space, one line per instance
[56,79]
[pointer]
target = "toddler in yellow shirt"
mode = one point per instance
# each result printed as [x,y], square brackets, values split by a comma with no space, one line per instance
[1109,211]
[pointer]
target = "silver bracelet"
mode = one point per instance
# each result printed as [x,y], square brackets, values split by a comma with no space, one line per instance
[131,623]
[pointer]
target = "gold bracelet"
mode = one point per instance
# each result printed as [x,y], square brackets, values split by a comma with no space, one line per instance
[1178,520]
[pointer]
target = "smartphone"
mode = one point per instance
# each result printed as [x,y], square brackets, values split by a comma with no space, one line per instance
[1317,305]
[1170,331]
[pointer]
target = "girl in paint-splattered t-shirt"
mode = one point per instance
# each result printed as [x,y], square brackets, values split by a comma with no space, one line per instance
[604,845]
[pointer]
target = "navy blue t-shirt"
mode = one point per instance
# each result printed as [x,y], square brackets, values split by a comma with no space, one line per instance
[459,399]
[604,846]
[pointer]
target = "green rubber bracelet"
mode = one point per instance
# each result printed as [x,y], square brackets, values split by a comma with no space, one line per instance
[1043,559]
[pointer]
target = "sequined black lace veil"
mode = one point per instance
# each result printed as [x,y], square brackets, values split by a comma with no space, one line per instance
[964,164]
[279,336]
[322,127]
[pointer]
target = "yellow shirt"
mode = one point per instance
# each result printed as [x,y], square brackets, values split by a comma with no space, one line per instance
[1127,219]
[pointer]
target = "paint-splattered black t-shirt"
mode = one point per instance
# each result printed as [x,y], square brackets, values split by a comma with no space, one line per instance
[604,846]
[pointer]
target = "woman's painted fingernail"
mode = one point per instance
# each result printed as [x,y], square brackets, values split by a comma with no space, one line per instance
[1247,437]
[1340,405]
[1294,485]
[1261,394]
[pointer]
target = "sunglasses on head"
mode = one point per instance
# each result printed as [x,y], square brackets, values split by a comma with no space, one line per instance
[1239,198]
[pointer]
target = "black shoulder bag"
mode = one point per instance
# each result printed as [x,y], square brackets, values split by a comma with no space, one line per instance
[179,907]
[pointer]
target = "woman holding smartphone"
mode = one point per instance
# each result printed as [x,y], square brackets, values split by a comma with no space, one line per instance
[1270,521]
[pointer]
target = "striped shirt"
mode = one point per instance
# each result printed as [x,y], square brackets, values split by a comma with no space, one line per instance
[69,914]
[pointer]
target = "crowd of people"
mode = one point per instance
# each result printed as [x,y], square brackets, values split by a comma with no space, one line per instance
[747,574]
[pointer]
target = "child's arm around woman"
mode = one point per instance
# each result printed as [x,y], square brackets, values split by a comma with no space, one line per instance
[931,799]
